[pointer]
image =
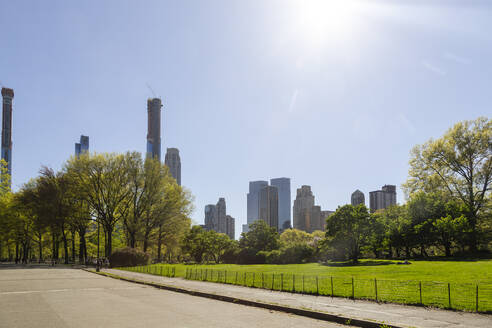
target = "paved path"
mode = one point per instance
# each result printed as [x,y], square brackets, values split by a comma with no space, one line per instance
[400,315]
[75,298]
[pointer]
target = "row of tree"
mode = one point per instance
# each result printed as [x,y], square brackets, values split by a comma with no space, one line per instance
[94,196]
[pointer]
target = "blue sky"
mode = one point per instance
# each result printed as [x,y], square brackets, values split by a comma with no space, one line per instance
[333,94]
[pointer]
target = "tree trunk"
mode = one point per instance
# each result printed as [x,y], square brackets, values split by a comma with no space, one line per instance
[16,252]
[40,243]
[108,242]
[65,245]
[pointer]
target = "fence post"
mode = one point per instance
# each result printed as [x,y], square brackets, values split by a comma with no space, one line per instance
[376,288]
[353,291]
[476,299]
[273,279]
[281,282]
[420,291]
[236,279]
[262,280]
[225,276]
[331,278]
[254,276]
[294,283]
[303,283]
[449,295]
[317,286]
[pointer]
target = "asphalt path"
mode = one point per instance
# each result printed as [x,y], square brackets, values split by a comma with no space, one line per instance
[45,297]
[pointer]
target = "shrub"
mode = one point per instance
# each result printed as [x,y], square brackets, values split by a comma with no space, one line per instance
[128,257]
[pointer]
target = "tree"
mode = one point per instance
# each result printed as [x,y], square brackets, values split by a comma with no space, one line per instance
[195,243]
[459,163]
[103,181]
[348,230]
[260,237]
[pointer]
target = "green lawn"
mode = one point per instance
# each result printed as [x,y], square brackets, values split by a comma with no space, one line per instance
[432,283]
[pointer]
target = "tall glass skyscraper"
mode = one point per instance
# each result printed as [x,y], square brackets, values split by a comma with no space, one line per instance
[253,201]
[82,146]
[284,201]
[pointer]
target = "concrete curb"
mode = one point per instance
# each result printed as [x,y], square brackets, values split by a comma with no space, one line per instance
[275,307]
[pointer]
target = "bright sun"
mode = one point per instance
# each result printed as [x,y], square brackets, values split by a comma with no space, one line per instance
[322,21]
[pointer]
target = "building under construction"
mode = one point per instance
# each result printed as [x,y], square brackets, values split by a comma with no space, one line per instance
[154,128]
[8,95]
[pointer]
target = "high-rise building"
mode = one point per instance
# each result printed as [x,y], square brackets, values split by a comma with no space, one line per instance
[268,206]
[211,218]
[154,128]
[173,161]
[230,230]
[381,199]
[307,216]
[82,146]
[357,198]
[8,95]
[252,198]
[284,202]
[217,220]
[221,215]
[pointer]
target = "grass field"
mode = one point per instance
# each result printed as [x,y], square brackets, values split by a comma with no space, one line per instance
[447,284]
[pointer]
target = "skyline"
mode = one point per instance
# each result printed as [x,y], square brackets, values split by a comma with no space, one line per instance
[256,100]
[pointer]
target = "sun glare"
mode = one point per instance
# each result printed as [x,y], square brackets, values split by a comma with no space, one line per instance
[322,21]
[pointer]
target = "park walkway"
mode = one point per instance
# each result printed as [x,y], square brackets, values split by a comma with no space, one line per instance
[399,315]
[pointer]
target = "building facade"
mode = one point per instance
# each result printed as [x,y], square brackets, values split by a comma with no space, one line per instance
[284,202]
[308,216]
[82,146]
[357,198]
[7,97]
[268,206]
[173,161]
[154,128]
[230,230]
[252,202]
[211,218]
[217,220]
[381,199]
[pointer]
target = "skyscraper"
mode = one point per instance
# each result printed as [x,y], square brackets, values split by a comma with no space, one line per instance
[252,199]
[217,220]
[173,161]
[221,215]
[268,206]
[284,203]
[211,217]
[357,198]
[154,128]
[303,205]
[383,198]
[82,146]
[230,230]
[307,216]
[8,95]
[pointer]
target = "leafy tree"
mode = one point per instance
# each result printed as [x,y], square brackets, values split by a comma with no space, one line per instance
[195,243]
[103,181]
[348,230]
[460,164]
[260,237]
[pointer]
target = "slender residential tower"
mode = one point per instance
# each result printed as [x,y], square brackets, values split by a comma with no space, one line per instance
[154,128]
[8,95]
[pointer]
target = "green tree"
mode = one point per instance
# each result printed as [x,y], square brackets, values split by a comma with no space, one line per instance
[348,230]
[260,237]
[459,163]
